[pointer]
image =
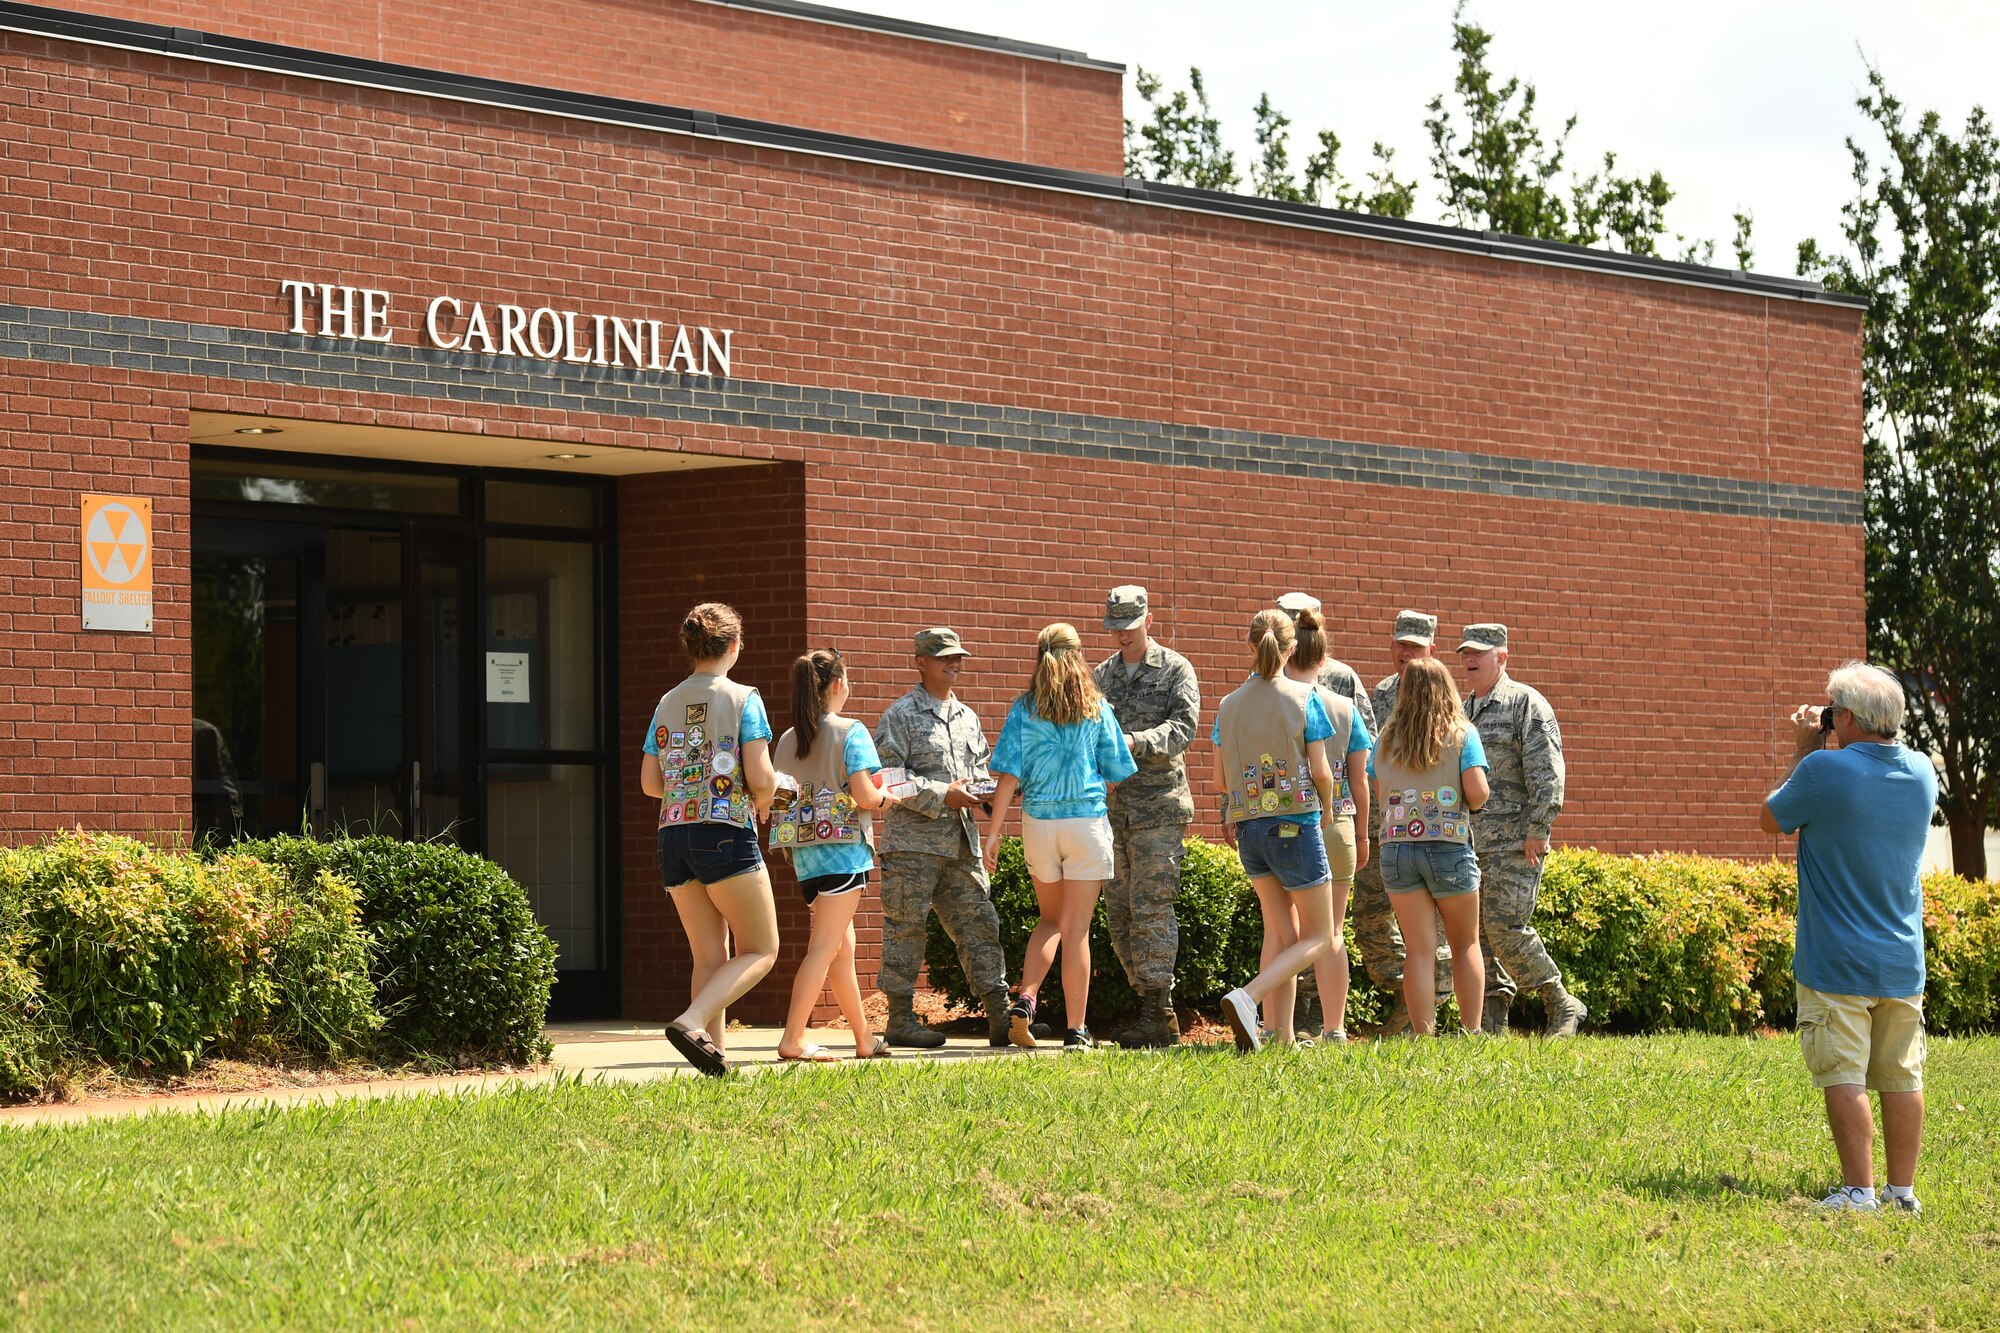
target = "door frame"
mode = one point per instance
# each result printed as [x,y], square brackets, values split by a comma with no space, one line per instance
[239,526]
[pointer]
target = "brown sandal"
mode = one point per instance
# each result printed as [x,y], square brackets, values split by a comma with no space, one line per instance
[698,1050]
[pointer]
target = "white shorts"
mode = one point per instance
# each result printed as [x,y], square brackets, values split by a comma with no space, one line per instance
[1067,848]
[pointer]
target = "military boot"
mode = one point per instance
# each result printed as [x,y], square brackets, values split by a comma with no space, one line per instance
[995,1004]
[905,1030]
[1157,1024]
[1397,1023]
[1493,1022]
[1566,1012]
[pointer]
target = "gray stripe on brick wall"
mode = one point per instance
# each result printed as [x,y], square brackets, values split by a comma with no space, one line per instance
[175,348]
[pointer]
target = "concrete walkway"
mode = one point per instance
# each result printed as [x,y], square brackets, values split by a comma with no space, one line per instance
[607,1052]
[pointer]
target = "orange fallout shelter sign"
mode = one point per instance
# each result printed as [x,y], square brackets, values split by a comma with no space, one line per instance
[117,563]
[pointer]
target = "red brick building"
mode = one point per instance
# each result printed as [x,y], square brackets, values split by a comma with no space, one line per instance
[457,356]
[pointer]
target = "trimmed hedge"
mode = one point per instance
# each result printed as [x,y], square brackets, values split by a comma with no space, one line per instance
[118,952]
[462,969]
[1652,943]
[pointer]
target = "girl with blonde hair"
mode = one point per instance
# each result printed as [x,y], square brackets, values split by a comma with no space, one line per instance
[1270,762]
[1430,775]
[1062,750]
[825,827]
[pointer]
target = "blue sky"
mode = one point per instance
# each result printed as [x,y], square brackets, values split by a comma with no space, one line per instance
[1740,103]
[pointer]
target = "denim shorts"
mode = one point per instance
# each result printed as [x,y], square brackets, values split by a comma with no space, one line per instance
[1446,869]
[1294,854]
[709,853]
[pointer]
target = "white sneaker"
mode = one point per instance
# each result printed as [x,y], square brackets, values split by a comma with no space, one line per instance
[1902,1203]
[1847,1199]
[1241,1011]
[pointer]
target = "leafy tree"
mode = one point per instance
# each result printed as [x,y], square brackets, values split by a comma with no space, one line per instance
[1181,142]
[1271,177]
[1495,169]
[1923,247]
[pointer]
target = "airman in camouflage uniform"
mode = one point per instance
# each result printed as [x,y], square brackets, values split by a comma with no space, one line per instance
[1376,937]
[930,845]
[1153,691]
[1344,681]
[1511,831]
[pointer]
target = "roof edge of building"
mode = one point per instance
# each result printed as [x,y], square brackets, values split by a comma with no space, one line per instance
[268,57]
[923,32]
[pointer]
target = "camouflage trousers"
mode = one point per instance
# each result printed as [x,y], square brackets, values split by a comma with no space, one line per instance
[1516,959]
[1139,901]
[912,884]
[1376,936]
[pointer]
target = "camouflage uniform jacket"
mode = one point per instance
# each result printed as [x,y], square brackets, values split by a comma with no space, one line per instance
[940,742]
[1158,707]
[1345,681]
[1382,699]
[1524,757]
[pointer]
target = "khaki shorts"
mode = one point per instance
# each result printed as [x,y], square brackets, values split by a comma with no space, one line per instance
[1340,848]
[1058,849]
[1863,1039]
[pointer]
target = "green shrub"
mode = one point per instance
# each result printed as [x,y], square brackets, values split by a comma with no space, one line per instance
[1669,941]
[321,994]
[462,970]
[151,959]
[1961,954]
[1652,943]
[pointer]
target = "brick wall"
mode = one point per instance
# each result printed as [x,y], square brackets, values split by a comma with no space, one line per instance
[993,404]
[715,57]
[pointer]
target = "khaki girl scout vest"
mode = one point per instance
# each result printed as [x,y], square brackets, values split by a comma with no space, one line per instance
[695,731]
[1263,725]
[1424,805]
[823,814]
[1342,712]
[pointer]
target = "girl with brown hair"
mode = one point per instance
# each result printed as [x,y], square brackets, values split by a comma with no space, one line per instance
[822,822]
[1430,775]
[1343,822]
[1062,749]
[707,759]
[1270,762]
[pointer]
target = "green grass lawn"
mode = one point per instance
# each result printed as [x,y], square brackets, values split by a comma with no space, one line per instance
[1633,1183]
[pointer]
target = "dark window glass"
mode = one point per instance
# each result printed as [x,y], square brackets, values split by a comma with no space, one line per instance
[266,482]
[540,503]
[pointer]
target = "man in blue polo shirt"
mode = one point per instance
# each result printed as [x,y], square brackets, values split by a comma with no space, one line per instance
[1862,812]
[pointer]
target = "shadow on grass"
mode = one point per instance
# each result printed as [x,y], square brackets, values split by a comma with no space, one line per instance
[1685,1183]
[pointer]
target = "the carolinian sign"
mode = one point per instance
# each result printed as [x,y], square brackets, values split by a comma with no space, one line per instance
[539,333]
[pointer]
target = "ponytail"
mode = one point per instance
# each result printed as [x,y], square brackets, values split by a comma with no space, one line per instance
[1273,637]
[812,676]
[1312,642]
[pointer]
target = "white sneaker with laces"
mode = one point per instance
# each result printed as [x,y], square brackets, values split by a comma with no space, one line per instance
[1902,1203]
[1848,1199]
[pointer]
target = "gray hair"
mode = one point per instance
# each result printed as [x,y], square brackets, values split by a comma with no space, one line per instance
[1873,695]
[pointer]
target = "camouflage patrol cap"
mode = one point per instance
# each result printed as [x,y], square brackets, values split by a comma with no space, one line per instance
[1479,638]
[1294,602]
[940,642]
[1125,606]
[1416,627]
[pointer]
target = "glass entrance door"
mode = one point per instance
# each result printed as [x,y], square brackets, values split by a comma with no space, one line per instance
[417,653]
[330,684]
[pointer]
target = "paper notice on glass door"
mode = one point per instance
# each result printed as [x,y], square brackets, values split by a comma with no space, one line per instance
[507,678]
